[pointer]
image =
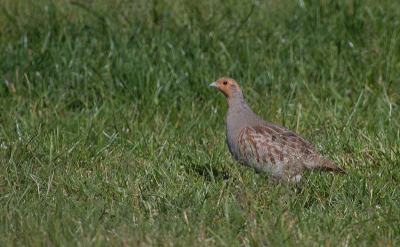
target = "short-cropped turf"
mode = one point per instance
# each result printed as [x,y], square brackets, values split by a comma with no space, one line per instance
[109,135]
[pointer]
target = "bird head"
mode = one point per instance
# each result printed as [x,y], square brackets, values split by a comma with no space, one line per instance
[229,87]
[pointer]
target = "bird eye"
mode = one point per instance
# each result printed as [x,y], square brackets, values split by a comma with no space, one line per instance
[225,82]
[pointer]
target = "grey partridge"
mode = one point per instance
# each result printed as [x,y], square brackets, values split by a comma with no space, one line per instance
[266,147]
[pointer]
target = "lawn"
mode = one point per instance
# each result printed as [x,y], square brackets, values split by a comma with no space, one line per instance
[109,135]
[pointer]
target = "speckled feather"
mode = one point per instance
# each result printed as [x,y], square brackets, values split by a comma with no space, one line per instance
[267,147]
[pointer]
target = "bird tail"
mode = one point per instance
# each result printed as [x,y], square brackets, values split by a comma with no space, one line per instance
[329,165]
[318,162]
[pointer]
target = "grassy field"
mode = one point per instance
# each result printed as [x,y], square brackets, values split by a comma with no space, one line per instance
[109,135]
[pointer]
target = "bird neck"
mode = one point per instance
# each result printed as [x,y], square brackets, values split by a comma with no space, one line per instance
[238,110]
[236,97]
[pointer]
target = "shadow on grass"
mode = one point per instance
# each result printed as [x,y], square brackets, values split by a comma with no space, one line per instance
[207,171]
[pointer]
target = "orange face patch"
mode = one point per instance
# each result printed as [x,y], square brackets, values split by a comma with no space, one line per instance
[227,86]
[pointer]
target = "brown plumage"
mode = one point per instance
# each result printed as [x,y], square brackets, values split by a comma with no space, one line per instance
[268,148]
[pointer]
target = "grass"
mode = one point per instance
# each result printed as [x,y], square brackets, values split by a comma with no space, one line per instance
[109,135]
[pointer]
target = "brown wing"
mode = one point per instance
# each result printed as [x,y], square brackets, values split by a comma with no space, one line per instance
[256,144]
[275,144]
[287,139]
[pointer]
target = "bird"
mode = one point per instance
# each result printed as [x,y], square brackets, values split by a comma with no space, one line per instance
[266,147]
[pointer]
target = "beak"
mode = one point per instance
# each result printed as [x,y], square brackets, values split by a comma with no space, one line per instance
[214,84]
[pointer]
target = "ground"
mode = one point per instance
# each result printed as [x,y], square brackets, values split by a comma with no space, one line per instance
[109,135]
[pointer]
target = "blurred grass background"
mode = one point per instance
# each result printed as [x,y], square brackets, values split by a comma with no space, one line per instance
[110,136]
